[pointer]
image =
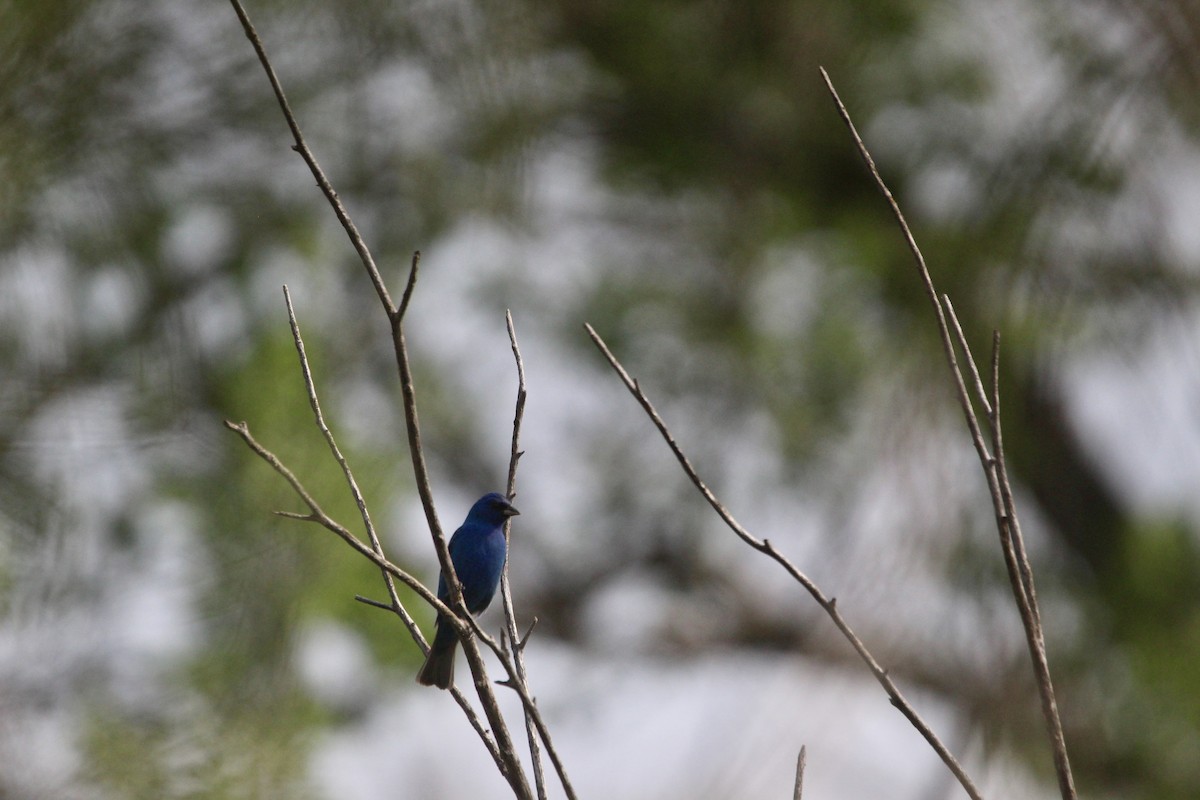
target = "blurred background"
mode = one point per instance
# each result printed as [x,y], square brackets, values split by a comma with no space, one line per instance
[675,174]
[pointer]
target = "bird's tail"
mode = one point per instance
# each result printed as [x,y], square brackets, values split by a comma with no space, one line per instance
[438,669]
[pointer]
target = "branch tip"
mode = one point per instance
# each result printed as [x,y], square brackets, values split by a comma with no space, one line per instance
[376,603]
[800,763]
[528,632]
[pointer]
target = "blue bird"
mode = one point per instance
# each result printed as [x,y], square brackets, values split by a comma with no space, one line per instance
[477,550]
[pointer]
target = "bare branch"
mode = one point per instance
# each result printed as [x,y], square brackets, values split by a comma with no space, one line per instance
[980,392]
[410,286]
[533,719]
[995,399]
[368,262]
[294,515]
[800,760]
[524,640]
[318,515]
[359,500]
[764,546]
[1021,575]
[360,246]
[375,603]
[459,697]
[421,470]
[995,472]
[503,752]
[510,616]
[417,451]
[518,684]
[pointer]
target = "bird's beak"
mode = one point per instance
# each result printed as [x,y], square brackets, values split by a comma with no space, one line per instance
[511,511]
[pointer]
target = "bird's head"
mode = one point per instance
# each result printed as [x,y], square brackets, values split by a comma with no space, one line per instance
[493,508]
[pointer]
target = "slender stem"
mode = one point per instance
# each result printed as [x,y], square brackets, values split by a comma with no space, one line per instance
[415,449]
[517,685]
[510,616]
[317,515]
[800,763]
[1031,617]
[301,147]
[359,500]
[512,769]
[509,763]
[995,471]
[829,604]
[962,345]
[409,286]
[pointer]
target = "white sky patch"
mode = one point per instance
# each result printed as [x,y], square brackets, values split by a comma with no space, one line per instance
[1141,413]
[726,726]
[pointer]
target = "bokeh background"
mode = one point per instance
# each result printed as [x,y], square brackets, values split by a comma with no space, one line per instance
[675,174]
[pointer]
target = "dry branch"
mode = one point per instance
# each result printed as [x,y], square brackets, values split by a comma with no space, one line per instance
[503,750]
[829,604]
[994,468]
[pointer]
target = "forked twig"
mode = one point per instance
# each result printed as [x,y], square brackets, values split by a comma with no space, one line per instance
[508,761]
[531,708]
[317,514]
[359,500]
[510,616]
[301,147]
[994,467]
[396,606]
[829,604]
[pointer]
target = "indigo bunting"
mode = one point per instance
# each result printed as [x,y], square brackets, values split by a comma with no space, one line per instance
[477,550]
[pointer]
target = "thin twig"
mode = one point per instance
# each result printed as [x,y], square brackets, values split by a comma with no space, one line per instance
[995,472]
[964,398]
[512,769]
[1019,570]
[359,500]
[962,345]
[364,253]
[317,515]
[992,465]
[410,285]
[510,616]
[415,449]
[521,688]
[459,696]
[764,546]
[301,147]
[1031,616]
[375,603]
[508,761]
[800,761]
[524,640]
[533,716]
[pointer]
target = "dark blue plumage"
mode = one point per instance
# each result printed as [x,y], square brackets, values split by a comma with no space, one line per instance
[477,550]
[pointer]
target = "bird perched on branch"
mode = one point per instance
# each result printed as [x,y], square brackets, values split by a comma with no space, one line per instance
[477,550]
